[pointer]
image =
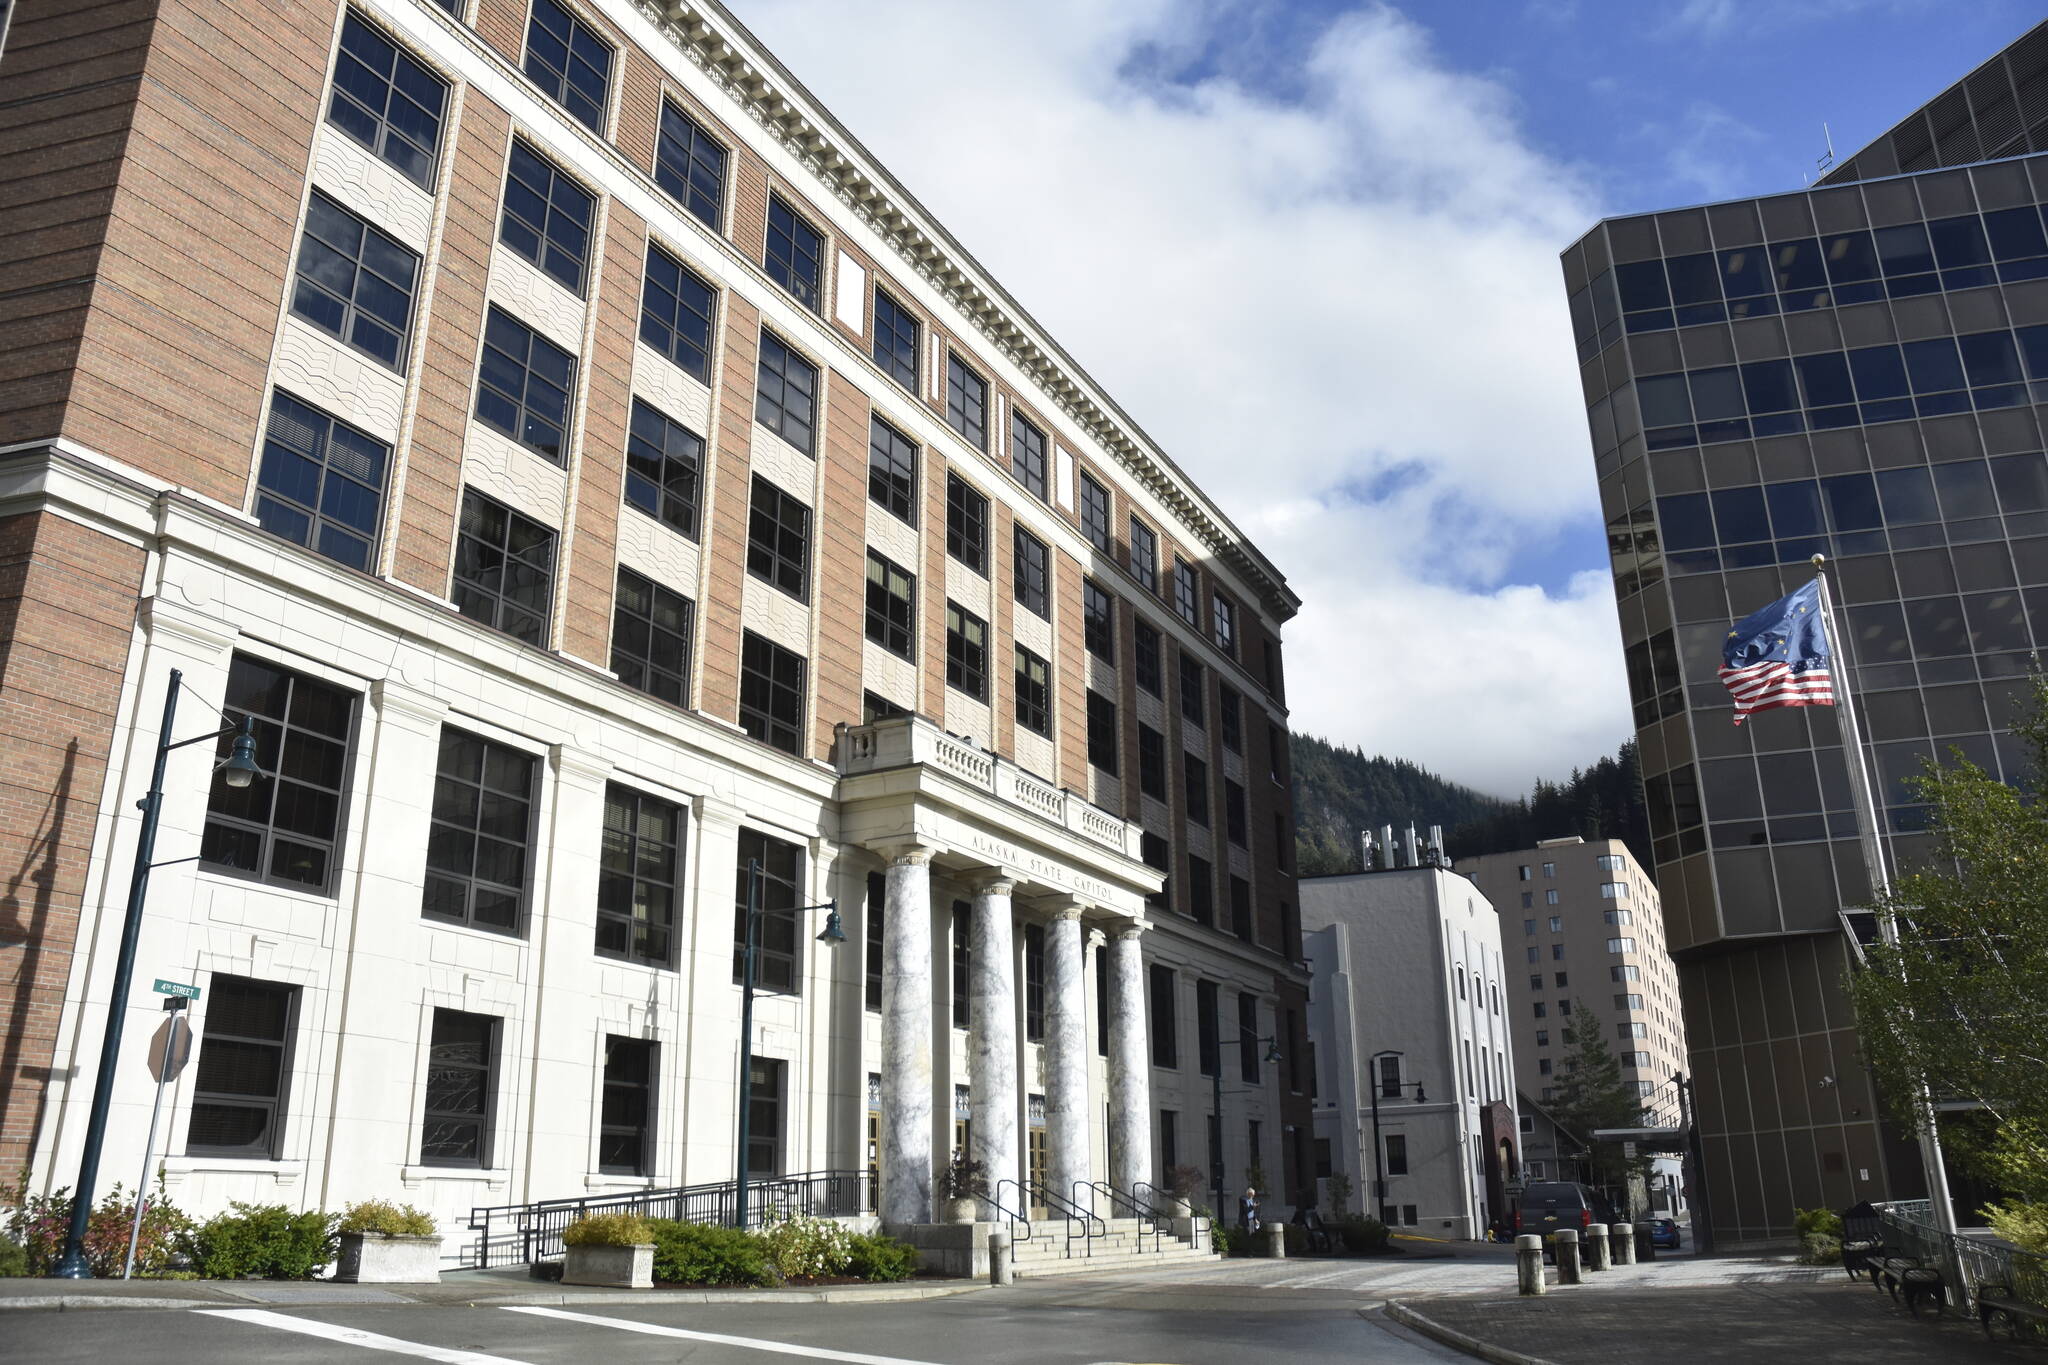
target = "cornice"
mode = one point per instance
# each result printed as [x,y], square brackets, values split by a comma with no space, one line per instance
[711,38]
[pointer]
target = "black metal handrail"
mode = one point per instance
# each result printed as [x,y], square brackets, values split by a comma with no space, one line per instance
[1034,1194]
[1909,1230]
[1142,1212]
[1018,1217]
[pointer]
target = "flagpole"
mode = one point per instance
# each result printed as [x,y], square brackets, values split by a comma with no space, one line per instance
[1876,864]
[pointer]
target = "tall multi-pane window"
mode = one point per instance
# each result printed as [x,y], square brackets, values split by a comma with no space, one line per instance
[779,540]
[1027,455]
[892,469]
[873,939]
[966,652]
[1165,1045]
[244,1078]
[1034,692]
[1098,621]
[462,1064]
[796,253]
[786,393]
[664,463]
[966,524]
[892,606]
[547,216]
[640,874]
[963,965]
[1241,908]
[651,633]
[625,1123]
[321,483]
[1184,591]
[504,568]
[283,826]
[1208,1029]
[1191,689]
[523,386]
[355,281]
[1151,761]
[568,61]
[896,333]
[1144,555]
[766,1080]
[1157,854]
[1032,574]
[1145,642]
[1095,514]
[771,693]
[690,164]
[1034,983]
[778,933]
[1248,1038]
[966,402]
[676,313]
[388,101]
[1235,821]
[480,834]
[1102,743]
[1225,626]
[1195,773]
[1230,719]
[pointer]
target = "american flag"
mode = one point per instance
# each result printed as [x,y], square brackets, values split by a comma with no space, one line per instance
[1778,656]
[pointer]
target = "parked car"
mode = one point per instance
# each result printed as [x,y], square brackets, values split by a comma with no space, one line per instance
[1547,1206]
[1663,1233]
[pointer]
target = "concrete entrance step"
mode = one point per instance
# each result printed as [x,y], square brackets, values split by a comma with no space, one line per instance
[1084,1265]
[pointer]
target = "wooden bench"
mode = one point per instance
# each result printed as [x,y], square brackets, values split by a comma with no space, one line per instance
[1905,1278]
[2015,1314]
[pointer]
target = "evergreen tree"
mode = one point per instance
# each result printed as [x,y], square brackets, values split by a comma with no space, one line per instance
[1589,1093]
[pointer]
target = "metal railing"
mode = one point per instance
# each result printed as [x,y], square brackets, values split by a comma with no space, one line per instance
[1909,1230]
[1147,1217]
[512,1234]
[1019,1217]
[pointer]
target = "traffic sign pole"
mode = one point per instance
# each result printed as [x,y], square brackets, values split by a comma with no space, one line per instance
[176,1005]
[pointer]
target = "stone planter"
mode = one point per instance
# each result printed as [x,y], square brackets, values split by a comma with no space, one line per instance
[962,1210]
[610,1267]
[1179,1206]
[373,1258]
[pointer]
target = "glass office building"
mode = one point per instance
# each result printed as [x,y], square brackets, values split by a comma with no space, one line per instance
[1858,370]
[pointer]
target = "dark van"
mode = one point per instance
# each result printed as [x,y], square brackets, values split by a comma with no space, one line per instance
[1547,1206]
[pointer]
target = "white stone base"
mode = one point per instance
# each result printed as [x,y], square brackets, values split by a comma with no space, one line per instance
[373,1258]
[610,1267]
[949,1248]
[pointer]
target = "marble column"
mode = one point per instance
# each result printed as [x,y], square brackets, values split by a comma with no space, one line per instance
[1066,1059]
[992,1039]
[907,1039]
[1130,1063]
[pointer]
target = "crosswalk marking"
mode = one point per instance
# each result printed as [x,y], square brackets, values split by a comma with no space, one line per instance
[718,1338]
[355,1336]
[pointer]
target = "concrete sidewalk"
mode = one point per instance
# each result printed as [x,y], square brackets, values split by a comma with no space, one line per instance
[1725,1324]
[480,1288]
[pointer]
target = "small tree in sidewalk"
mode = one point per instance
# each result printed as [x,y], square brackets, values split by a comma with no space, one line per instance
[1590,1093]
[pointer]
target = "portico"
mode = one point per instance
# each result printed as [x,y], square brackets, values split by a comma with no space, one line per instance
[1033,858]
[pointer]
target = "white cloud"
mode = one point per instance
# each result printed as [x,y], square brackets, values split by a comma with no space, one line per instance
[1323,274]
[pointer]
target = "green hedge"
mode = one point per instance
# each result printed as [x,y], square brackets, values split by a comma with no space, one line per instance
[880,1258]
[701,1253]
[264,1240]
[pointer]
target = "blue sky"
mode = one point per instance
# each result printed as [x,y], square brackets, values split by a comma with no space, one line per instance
[1312,247]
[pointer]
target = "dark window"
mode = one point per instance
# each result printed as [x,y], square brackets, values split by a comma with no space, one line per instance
[779,540]
[966,652]
[966,402]
[1144,556]
[1184,590]
[568,61]
[1208,1029]
[966,524]
[778,931]
[1034,982]
[245,1055]
[1248,1038]
[1230,718]
[1034,692]
[892,469]
[282,827]
[892,609]
[1169,1139]
[796,253]
[1397,1154]
[1151,761]
[786,398]
[462,1064]
[1095,514]
[690,165]
[1145,639]
[764,1117]
[874,707]
[1102,1002]
[1156,854]
[321,484]
[1225,619]
[664,460]
[640,877]
[1191,685]
[651,634]
[523,386]
[1165,1044]
[1195,777]
[1098,621]
[625,1133]
[771,693]
[676,313]
[877,928]
[1241,908]
[1031,573]
[355,281]
[387,101]
[547,216]
[482,827]
[1201,890]
[1102,750]
[963,965]
[1234,819]
[896,331]
[504,569]
[1027,455]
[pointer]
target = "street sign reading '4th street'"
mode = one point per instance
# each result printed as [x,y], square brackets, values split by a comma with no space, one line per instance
[164,987]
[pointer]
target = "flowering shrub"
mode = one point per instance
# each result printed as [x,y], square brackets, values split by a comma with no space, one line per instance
[802,1246]
[40,1223]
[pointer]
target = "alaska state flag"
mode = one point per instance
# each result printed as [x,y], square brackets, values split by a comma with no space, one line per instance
[1779,656]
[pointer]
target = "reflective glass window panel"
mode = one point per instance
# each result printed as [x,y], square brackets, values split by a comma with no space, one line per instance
[1695,286]
[566,58]
[282,828]
[676,312]
[1151,762]
[1642,285]
[966,402]
[1144,556]
[786,393]
[244,1072]
[1989,358]
[1739,516]
[625,1135]
[1027,455]
[480,834]
[1767,386]
[321,483]
[1799,266]
[966,524]
[1195,775]
[1745,271]
[771,693]
[779,539]
[2022,482]
[778,931]
[524,382]
[462,1059]
[892,469]
[546,217]
[1716,393]
[1879,372]
[896,333]
[1965,490]
[1958,241]
[1851,258]
[1034,692]
[504,569]
[795,253]
[1852,502]
[1095,513]
[1030,573]
[1184,589]
[1102,741]
[664,460]
[1933,365]
[1664,400]
[1824,379]
[1098,621]
[690,165]
[1903,250]
[640,873]
[355,282]
[1145,640]
[2033,342]
[651,634]
[2015,234]
[1907,496]
[1686,521]
[388,101]
[1193,689]
[966,652]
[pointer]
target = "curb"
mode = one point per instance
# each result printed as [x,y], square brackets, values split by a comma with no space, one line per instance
[1449,1336]
[73,1303]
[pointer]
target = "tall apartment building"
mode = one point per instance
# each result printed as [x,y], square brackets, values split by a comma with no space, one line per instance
[595,475]
[1852,370]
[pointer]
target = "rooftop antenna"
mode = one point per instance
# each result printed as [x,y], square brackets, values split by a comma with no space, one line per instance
[1828,160]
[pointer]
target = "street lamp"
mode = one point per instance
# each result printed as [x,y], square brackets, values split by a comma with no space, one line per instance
[1272,1058]
[1379,1179]
[831,936]
[238,769]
